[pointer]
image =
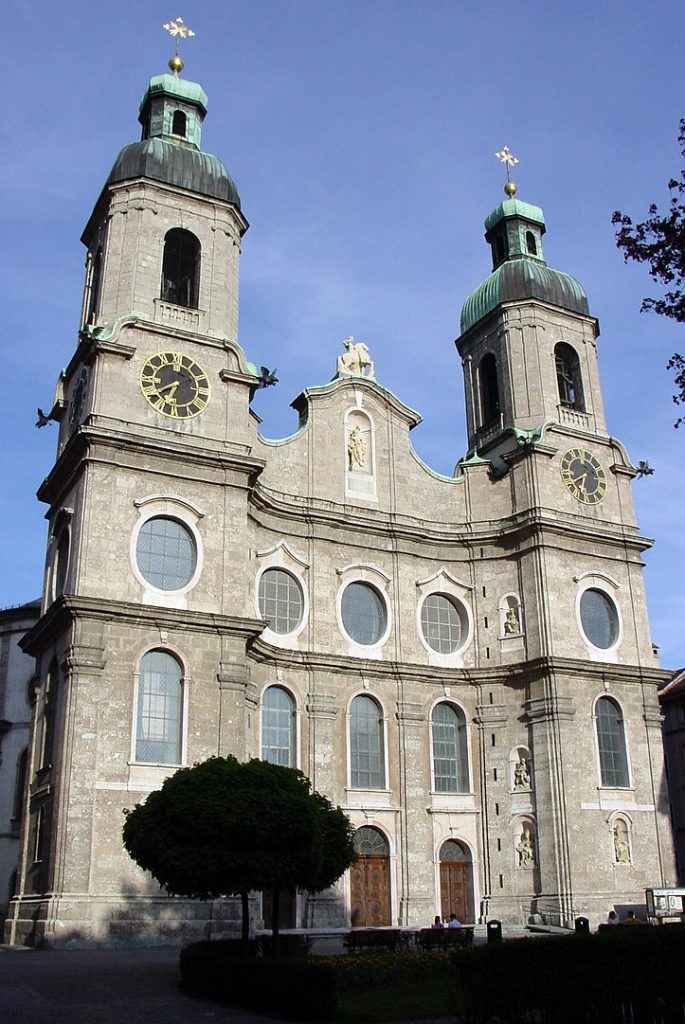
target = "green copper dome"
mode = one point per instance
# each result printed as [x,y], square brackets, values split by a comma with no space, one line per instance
[514,231]
[175,165]
[171,114]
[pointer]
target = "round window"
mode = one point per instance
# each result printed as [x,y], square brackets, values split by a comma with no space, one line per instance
[441,624]
[599,619]
[280,600]
[166,553]
[363,613]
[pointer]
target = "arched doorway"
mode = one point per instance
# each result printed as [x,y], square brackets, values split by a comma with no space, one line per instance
[370,880]
[456,881]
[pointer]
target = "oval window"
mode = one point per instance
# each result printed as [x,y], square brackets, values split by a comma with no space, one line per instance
[599,619]
[280,600]
[166,553]
[441,624]
[363,613]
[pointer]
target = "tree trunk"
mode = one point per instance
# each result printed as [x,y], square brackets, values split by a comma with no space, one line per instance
[275,915]
[245,925]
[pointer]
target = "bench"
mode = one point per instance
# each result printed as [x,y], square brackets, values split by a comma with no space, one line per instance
[373,938]
[444,938]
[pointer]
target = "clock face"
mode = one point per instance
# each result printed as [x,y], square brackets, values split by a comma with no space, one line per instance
[583,475]
[78,397]
[174,385]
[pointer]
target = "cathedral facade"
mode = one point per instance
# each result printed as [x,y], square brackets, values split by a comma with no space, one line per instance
[462,663]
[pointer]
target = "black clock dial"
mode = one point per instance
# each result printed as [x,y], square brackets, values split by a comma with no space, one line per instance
[174,385]
[583,475]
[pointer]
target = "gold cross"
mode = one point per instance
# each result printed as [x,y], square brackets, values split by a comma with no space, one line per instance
[179,30]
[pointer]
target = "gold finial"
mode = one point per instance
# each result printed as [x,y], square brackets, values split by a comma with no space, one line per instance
[178,30]
[509,160]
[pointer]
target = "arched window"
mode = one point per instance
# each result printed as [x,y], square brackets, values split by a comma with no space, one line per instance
[94,288]
[569,378]
[367,760]
[450,758]
[278,727]
[160,709]
[19,786]
[489,390]
[530,244]
[61,563]
[50,702]
[178,124]
[500,248]
[611,743]
[181,268]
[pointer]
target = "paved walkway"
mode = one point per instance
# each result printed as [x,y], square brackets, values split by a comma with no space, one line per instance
[103,986]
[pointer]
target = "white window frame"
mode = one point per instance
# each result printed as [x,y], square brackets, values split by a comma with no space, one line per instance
[295,723]
[385,788]
[188,514]
[172,650]
[608,586]
[444,583]
[600,785]
[380,582]
[282,556]
[441,794]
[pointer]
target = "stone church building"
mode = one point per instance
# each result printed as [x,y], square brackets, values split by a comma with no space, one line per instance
[463,663]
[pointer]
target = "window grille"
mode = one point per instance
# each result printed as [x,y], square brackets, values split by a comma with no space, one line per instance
[441,623]
[280,600]
[367,770]
[363,613]
[158,739]
[450,767]
[166,553]
[278,727]
[599,619]
[613,759]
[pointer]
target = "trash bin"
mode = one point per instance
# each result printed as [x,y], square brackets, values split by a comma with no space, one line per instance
[582,926]
[494,931]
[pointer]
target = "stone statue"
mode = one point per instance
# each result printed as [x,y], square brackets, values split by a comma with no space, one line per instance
[521,775]
[511,622]
[356,449]
[356,360]
[621,847]
[526,850]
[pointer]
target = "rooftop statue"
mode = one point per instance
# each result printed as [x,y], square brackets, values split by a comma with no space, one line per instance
[355,361]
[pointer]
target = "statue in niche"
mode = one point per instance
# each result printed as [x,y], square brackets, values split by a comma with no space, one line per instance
[621,847]
[526,849]
[512,626]
[356,360]
[521,775]
[356,449]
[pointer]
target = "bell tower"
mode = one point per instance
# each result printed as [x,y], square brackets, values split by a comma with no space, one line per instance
[528,340]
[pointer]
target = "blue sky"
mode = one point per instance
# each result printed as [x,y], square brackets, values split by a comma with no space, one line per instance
[361,135]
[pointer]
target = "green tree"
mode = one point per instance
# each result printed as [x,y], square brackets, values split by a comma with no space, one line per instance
[224,828]
[659,242]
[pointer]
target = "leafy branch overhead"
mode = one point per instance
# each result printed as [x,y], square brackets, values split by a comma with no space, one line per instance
[659,242]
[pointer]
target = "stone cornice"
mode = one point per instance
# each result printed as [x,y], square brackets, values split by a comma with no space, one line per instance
[68,610]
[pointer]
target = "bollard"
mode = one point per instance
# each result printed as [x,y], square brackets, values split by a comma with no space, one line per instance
[494,931]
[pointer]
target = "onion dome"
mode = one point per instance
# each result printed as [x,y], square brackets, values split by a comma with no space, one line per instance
[171,113]
[514,231]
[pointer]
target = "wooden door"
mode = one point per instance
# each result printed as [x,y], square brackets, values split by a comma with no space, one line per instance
[453,894]
[370,892]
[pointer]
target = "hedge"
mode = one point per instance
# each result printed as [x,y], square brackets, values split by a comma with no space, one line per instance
[628,974]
